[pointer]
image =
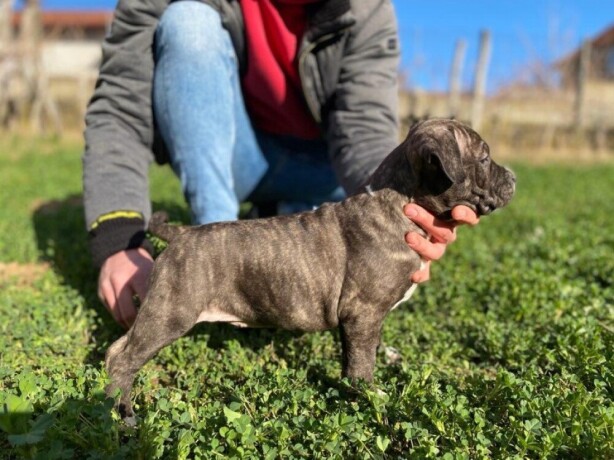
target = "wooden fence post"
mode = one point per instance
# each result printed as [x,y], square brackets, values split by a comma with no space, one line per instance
[6,29]
[455,77]
[583,73]
[479,87]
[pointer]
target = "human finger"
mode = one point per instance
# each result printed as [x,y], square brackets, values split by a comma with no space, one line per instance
[422,275]
[428,250]
[465,215]
[108,297]
[126,307]
[437,229]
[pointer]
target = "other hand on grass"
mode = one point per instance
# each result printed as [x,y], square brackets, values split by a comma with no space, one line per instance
[122,276]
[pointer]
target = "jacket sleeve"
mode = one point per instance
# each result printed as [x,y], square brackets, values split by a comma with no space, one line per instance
[362,125]
[119,132]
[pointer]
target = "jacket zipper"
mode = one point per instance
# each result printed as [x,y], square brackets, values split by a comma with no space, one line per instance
[311,104]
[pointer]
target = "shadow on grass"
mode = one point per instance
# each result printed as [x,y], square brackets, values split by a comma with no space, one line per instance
[62,242]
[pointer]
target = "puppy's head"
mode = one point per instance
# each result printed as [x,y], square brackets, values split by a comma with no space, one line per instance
[453,166]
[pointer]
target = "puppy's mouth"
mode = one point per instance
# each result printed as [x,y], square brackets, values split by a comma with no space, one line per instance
[484,209]
[481,209]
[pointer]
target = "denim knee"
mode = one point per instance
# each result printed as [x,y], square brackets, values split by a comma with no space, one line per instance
[192,28]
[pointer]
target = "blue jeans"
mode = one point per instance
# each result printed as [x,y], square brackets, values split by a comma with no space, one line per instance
[219,157]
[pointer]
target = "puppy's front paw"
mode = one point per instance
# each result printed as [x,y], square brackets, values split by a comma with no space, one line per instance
[130,421]
[391,355]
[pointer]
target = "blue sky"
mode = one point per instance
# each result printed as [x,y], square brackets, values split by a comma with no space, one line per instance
[523,32]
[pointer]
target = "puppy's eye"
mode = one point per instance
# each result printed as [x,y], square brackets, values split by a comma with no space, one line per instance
[485,160]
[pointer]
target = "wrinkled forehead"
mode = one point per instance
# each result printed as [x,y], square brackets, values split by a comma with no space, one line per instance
[468,140]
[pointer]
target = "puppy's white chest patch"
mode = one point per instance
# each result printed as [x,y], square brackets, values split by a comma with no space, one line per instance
[406,296]
[409,292]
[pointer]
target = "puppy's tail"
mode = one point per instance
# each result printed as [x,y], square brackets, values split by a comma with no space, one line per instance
[159,227]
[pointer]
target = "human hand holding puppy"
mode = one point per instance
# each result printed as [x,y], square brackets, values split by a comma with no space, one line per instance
[125,273]
[441,234]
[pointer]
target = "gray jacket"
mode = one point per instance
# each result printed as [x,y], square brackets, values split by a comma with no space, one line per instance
[348,65]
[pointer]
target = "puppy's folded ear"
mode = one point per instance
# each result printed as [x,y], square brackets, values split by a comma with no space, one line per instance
[442,163]
[434,154]
[450,166]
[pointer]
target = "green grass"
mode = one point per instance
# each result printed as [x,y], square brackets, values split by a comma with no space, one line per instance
[506,352]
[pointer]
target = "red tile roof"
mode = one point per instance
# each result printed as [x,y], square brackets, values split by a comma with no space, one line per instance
[85,19]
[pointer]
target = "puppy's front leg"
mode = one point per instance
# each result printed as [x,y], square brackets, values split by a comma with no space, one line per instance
[360,337]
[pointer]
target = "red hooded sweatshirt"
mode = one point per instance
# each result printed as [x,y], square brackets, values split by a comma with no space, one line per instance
[271,85]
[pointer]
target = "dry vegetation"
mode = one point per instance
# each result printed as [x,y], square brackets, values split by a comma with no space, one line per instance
[530,124]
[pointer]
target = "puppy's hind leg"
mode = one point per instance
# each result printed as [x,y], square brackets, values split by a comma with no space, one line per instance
[157,324]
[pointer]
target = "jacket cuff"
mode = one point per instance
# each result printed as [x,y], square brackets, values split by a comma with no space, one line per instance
[113,235]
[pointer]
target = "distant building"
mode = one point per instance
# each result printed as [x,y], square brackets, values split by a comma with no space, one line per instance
[71,40]
[601,64]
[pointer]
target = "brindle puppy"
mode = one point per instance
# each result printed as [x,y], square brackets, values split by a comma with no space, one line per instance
[343,265]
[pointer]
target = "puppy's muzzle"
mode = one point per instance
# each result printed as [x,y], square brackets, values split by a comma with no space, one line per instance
[504,191]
